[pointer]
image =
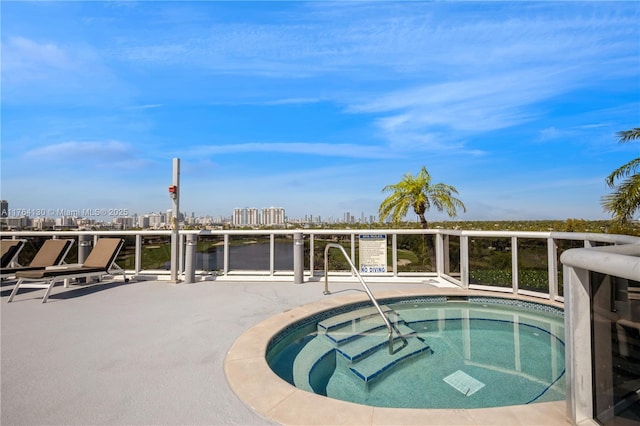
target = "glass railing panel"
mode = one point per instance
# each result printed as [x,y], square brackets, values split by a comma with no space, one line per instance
[127,253]
[452,247]
[156,253]
[416,253]
[562,246]
[533,271]
[490,261]
[283,252]
[249,252]
[337,262]
[210,253]
[616,351]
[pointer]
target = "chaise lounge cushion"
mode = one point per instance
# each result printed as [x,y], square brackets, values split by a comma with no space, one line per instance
[51,253]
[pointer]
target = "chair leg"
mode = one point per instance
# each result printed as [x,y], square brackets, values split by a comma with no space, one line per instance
[48,292]
[15,290]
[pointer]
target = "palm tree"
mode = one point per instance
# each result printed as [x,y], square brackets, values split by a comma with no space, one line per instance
[420,194]
[624,201]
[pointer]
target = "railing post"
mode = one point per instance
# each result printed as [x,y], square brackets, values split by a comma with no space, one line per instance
[552,268]
[464,261]
[84,247]
[439,254]
[298,258]
[447,258]
[181,255]
[514,265]
[138,254]
[353,250]
[311,255]
[272,253]
[225,258]
[190,259]
[394,253]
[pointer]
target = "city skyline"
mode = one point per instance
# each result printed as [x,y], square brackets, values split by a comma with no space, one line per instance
[240,217]
[316,106]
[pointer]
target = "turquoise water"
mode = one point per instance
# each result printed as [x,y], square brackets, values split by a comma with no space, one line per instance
[480,355]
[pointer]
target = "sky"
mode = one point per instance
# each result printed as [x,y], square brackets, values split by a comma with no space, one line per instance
[316,106]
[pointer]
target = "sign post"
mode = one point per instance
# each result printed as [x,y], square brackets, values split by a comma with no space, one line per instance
[373,254]
[174,194]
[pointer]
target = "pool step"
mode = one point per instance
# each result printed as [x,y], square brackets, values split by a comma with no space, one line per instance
[360,339]
[351,330]
[363,345]
[312,356]
[351,317]
[380,361]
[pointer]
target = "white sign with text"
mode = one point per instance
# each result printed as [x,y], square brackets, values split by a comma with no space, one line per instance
[373,254]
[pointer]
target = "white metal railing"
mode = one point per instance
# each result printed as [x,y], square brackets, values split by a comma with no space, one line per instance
[584,314]
[445,266]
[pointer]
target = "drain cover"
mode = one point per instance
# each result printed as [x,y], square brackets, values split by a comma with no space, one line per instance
[464,383]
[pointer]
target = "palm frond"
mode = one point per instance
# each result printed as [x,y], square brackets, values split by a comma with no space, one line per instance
[629,135]
[624,202]
[623,171]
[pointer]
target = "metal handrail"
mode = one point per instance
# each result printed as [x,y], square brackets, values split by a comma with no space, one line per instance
[366,288]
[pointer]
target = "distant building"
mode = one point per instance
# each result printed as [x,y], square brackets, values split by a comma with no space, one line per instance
[157,220]
[42,223]
[272,216]
[144,222]
[4,208]
[239,217]
[123,222]
[247,216]
[17,222]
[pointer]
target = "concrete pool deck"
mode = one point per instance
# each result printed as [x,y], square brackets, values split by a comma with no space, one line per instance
[153,353]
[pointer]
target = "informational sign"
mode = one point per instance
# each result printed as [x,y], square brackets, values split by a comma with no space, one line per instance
[373,254]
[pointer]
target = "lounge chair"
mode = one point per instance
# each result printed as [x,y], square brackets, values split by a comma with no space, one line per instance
[100,261]
[51,253]
[10,251]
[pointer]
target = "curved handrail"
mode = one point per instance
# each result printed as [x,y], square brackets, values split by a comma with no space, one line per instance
[366,288]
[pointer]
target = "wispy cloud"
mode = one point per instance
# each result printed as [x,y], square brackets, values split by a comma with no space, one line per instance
[89,153]
[147,106]
[321,149]
[42,71]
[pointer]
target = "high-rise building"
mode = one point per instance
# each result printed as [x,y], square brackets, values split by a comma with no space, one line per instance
[247,216]
[4,208]
[239,217]
[143,221]
[272,216]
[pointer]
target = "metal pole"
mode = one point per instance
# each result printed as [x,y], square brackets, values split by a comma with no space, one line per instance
[298,258]
[175,198]
[190,259]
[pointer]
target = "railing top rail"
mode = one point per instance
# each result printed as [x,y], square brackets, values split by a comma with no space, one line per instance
[75,233]
[620,261]
[584,236]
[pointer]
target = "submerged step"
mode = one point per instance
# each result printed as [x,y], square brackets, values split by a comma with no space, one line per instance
[351,316]
[355,329]
[366,344]
[312,354]
[381,361]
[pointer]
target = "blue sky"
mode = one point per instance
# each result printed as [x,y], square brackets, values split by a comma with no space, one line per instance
[315,107]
